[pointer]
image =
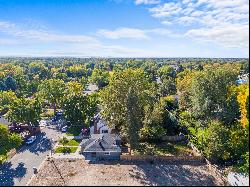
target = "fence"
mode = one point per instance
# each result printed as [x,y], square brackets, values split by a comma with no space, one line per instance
[176,138]
[193,160]
[212,167]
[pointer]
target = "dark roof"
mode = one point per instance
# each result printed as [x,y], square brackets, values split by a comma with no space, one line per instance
[101,143]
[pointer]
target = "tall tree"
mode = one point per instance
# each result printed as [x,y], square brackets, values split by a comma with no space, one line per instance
[52,90]
[6,99]
[25,111]
[123,102]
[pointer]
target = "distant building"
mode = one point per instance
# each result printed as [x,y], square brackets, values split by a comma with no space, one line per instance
[243,79]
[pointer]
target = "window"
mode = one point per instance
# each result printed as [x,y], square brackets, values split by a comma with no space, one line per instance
[107,153]
[93,154]
[105,131]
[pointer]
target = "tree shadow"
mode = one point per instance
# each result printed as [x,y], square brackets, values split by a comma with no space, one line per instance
[41,145]
[168,173]
[171,175]
[8,173]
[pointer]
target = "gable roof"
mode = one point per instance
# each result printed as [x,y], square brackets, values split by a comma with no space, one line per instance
[101,143]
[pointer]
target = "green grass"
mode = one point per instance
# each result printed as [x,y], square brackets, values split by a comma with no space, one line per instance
[74,130]
[163,149]
[2,158]
[47,114]
[70,142]
[66,149]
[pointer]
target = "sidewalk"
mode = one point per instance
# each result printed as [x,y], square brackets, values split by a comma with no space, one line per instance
[72,156]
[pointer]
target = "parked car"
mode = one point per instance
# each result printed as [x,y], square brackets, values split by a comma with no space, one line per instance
[64,129]
[30,140]
[42,123]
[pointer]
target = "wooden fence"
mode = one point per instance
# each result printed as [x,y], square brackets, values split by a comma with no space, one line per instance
[212,167]
[176,138]
[192,160]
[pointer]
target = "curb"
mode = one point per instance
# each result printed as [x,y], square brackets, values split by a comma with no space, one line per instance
[33,176]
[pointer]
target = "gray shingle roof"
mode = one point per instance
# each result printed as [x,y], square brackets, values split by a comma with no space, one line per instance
[101,143]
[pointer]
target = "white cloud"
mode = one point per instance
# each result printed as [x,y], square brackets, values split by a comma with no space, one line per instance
[236,36]
[132,33]
[147,2]
[41,35]
[119,33]
[221,21]
[166,10]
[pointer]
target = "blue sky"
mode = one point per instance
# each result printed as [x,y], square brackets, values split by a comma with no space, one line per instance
[124,28]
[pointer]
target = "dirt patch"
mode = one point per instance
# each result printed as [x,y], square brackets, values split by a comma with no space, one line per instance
[80,173]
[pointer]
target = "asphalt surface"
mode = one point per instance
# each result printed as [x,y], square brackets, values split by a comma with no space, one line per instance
[19,169]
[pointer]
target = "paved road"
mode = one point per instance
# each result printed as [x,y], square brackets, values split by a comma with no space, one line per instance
[19,169]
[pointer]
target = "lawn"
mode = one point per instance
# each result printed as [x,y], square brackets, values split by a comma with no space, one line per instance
[47,113]
[74,130]
[70,142]
[163,149]
[66,149]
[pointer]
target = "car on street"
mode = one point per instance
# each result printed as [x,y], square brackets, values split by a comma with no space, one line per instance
[30,140]
[64,129]
[42,123]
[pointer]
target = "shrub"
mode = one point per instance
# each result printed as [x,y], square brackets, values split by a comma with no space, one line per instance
[66,149]
[243,166]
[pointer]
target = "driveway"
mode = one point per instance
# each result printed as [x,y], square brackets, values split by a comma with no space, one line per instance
[19,169]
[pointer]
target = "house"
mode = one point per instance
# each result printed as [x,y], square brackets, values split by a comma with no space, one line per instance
[100,126]
[243,79]
[101,147]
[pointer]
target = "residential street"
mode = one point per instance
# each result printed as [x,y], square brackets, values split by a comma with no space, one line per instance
[19,169]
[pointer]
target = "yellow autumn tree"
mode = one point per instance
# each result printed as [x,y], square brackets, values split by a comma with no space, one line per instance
[243,100]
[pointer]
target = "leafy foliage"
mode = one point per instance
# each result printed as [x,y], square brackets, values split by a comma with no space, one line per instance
[26,111]
[8,141]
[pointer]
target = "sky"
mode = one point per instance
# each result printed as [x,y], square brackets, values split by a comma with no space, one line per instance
[125,28]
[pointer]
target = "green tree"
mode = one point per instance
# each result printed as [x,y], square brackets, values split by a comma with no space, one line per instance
[206,93]
[53,91]
[123,102]
[26,111]
[166,71]
[167,86]
[79,109]
[100,77]
[6,99]
[10,83]
[8,141]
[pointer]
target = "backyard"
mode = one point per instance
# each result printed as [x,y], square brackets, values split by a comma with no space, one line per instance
[164,149]
[79,172]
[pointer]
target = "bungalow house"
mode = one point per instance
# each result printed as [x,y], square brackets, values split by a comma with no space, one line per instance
[101,147]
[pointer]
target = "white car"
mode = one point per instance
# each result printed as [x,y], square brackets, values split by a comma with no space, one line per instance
[64,129]
[42,123]
[31,140]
